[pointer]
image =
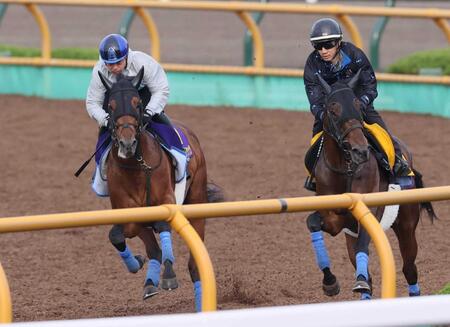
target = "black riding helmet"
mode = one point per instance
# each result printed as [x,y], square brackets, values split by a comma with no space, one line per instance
[324,30]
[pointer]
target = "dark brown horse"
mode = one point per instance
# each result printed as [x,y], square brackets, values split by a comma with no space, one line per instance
[140,173]
[348,163]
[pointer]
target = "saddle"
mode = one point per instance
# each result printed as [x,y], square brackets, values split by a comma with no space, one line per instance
[378,138]
[173,141]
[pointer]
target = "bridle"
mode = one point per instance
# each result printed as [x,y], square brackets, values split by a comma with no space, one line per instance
[114,114]
[332,128]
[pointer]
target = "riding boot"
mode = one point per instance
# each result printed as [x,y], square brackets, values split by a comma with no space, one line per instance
[310,183]
[401,167]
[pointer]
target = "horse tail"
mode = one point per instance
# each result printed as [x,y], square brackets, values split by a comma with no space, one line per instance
[424,205]
[215,193]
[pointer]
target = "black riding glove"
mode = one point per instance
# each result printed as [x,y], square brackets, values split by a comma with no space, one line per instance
[147,119]
[319,115]
[364,100]
[109,123]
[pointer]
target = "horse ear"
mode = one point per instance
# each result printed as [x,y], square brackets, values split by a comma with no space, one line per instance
[105,81]
[136,81]
[324,84]
[353,82]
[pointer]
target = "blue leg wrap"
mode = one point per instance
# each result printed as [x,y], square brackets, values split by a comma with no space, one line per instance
[129,260]
[198,296]
[414,290]
[321,251]
[153,271]
[362,262]
[166,246]
[366,296]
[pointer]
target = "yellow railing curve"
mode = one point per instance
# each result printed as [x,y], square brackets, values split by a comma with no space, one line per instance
[177,217]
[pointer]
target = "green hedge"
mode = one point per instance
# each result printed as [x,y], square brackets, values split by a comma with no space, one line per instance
[67,53]
[445,290]
[438,59]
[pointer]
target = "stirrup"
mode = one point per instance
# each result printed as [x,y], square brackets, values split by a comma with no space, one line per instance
[310,185]
[401,167]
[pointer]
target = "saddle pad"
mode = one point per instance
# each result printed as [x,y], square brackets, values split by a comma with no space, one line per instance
[383,140]
[170,137]
[99,180]
[389,215]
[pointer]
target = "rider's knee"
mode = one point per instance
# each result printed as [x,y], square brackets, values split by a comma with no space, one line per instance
[116,234]
[161,226]
[314,222]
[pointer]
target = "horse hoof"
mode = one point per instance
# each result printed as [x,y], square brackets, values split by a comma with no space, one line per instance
[169,284]
[150,291]
[361,286]
[169,278]
[331,290]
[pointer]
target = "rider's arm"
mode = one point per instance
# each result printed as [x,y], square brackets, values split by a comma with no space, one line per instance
[95,97]
[367,79]
[156,80]
[314,91]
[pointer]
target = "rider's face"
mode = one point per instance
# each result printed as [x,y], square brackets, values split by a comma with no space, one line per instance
[327,53]
[117,67]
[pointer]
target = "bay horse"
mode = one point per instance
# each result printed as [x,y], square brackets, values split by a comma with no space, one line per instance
[348,163]
[140,173]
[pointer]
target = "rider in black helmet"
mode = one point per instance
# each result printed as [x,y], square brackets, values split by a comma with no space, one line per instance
[336,60]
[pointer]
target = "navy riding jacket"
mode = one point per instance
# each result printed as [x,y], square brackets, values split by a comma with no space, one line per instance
[353,59]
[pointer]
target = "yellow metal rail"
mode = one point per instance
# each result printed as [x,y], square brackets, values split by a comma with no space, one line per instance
[176,215]
[242,9]
[212,69]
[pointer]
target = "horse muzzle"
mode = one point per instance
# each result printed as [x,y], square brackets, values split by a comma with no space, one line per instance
[360,154]
[127,148]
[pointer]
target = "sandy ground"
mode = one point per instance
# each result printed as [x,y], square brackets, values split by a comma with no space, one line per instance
[258,260]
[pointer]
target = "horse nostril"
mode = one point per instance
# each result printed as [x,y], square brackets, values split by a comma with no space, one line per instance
[361,152]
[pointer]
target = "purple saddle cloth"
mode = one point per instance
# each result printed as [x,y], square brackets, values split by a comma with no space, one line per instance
[171,138]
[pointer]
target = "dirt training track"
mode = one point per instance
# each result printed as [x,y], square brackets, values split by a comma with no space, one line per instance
[258,260]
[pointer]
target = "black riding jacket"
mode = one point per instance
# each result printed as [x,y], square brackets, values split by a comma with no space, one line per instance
[353,59]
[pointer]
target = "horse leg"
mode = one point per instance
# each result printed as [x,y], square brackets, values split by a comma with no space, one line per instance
[330,285]
[169,278]
[363,283]
[351,244]
[117,238]
[197,194]
[405,232]
[199,226]
[154,265]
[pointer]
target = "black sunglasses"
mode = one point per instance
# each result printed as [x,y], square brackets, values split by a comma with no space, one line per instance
[327,45]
